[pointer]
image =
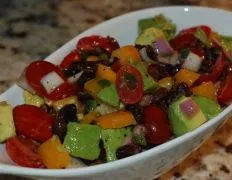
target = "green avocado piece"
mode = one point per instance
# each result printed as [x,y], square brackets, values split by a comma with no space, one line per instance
[113,139]
[149,83]
[109,95]
[149,36]
[209,107]
[182,124]
[32,99]
[82,140]
[159,22]
[7,128]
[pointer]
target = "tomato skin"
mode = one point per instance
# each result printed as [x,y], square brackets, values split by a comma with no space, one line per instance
[186,39]
[89,43]
[33,122]
[205,28]
[129,95]
[116,66]
[224,92]
[71,57]
[37,70]
[23,152]
[156,123]
[216,71]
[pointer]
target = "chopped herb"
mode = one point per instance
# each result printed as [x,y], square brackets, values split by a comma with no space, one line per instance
[184,53]
[200,35]
[103,56]
[104,83]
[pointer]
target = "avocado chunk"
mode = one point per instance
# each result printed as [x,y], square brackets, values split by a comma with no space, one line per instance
[32,99]
[209,107]
[109,95]
[159,22]
[7,128]
[82,140]
[149,36]
[113,139]
[149,83]
[180,122]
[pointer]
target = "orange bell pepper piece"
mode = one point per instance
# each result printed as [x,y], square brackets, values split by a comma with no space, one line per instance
[206,89]
[105,72]
[53,154]
[126,54]
[186,76]
[118,119]
[90,117]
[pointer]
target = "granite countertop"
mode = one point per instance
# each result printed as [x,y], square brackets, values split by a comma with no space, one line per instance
[32,29]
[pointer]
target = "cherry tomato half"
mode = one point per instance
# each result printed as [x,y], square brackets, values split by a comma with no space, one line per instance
[37,70]
[156,123]
[71,57]
[129,84]
[90,43]
[224,92]
[33,122]
[23,152]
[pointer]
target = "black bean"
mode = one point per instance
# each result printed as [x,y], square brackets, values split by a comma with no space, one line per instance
[137,112]
[160,94]
[157,71]
[67,113]
[83,95]
[173,69]
[127,150]
[151,53]
[86,76]
[59,127]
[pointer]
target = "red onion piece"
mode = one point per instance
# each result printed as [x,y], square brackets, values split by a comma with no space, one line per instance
[189,108]
[162,47]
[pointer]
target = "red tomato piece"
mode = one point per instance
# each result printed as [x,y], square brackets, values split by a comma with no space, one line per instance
[156,122]
[224,93]
[205,28]
[24,152]
[71,57]
[33,122]
[185,38]
[216,71]
[116,66]
[37,70]
[182,41]
[90,43]
[129,84]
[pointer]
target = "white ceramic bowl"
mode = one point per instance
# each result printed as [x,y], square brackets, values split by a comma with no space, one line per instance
[151,163]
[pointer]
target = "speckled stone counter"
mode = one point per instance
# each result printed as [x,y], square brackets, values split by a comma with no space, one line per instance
[32,29]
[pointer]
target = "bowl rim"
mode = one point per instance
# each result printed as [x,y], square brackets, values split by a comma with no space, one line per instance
[105,167]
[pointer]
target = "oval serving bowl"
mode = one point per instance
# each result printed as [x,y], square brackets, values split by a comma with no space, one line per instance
[151,163]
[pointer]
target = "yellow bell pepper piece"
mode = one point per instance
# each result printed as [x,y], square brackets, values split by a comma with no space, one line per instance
[186,76]
[53,154]
[126,54]
[166,82]
[118,119]
[93,87]
[105,72]
[206,89]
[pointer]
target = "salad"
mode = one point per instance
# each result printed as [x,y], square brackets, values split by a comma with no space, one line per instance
[104,102]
